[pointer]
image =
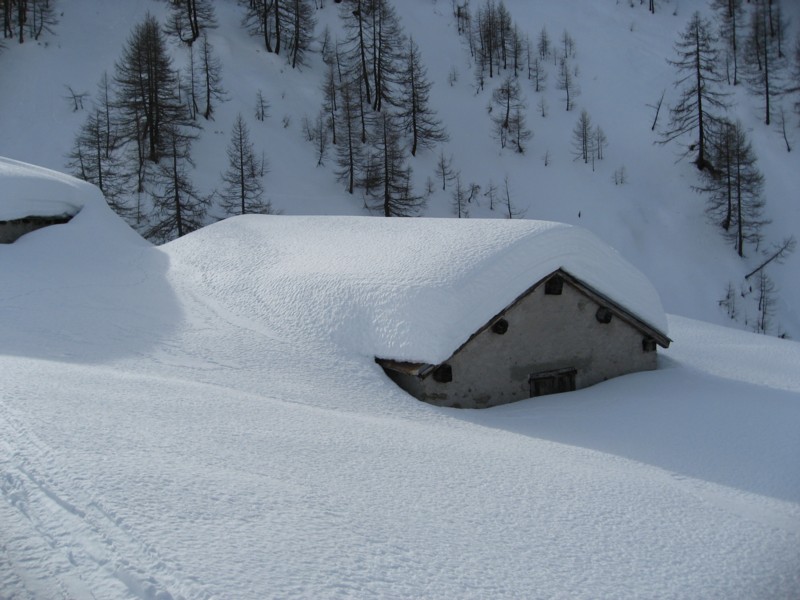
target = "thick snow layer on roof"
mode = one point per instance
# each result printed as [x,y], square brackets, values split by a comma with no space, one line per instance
[407,289]
[31,191]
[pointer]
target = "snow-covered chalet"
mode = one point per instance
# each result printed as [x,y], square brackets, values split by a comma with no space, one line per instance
[458,312]
[549,308]
[32,197]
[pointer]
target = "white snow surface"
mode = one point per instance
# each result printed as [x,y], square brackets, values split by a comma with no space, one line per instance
[173,429]
[407,289]
[31,191]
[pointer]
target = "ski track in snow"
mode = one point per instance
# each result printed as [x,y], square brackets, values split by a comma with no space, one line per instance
[89,551]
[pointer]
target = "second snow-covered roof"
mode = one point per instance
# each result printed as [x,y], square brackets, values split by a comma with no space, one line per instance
[406,289]
[31,191]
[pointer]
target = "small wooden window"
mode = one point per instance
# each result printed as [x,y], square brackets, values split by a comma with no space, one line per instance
[603,315]
[552,382]
[648,344]
[554,286]
[443,373]
[500,326]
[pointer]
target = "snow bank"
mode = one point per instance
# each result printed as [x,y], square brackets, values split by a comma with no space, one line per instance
[31,191]
[409,289]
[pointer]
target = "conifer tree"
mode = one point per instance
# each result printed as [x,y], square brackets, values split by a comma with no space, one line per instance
[488,34]
[188,19]
[96,157]
[390,178]
[731,14]
[243,191]
[600,141]
[329,100]
[735,188]
[386,46]
[543,44]
[459,199]
[262,106]
[537,74]
[178,209]
[283,25]
[191,82]
[701,100]
[146,87]
[444,169]
[415,114]
[509,120]
[766,303]
[566,82]
[211,70]
[519,134]
[300,30]
[349,149]
[794,84]
[356,45]
[582,138]
[764,58]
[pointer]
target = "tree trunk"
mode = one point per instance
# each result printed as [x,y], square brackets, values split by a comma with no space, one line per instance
[21,12]
[176,183]
[739,219]
[701,141]
[277,27]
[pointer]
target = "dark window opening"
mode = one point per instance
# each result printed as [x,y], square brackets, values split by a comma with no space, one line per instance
[552,382]
[603,315]
[649,344]
[500,326]
[443,373]
[554,286]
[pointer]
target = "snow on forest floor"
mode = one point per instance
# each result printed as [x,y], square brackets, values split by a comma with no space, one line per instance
[160,442]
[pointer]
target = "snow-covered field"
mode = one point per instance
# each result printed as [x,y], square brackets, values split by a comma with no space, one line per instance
[167,436]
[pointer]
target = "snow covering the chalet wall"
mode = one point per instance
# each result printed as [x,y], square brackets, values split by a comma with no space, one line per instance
[408,289]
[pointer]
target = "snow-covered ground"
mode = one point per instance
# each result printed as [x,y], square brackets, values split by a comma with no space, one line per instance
[166,434]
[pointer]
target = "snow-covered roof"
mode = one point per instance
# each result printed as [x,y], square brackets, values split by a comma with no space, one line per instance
[31,191]
[406,289]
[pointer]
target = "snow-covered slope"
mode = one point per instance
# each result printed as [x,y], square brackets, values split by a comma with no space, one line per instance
[655,220]
[166,436]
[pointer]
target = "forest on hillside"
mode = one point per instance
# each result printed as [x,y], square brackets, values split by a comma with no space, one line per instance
[375,112]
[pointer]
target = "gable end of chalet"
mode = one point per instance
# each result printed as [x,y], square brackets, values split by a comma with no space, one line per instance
[559,335]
